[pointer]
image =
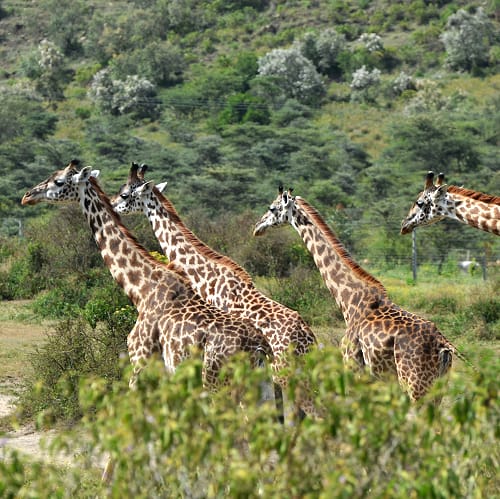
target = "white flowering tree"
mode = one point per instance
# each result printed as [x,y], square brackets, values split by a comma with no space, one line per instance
[364,84]
[372,42]
[402,83]
[467,39]
[429,99]
[133,95]
[294,73]
[50,74]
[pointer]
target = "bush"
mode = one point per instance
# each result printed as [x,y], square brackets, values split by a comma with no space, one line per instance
[170,438]
[305,291]
[71,352]
[364,84]
[324,50]
[23,279]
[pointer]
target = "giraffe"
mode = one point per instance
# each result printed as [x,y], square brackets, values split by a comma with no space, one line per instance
[172,319]
[219,280]
[379,335]
[438,201]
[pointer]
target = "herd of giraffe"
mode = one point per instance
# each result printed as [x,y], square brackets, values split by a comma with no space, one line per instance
[204,300]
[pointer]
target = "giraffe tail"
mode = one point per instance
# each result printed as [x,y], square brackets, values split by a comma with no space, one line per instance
[445,360]
[448,346]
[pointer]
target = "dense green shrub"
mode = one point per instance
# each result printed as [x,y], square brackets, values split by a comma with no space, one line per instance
[22,278]
[305,291]
[72,351]
[170,438]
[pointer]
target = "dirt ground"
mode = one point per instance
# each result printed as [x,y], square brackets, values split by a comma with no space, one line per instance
[19,335]
[26,439]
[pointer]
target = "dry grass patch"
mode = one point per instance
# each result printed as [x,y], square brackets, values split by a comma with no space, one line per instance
[20,332]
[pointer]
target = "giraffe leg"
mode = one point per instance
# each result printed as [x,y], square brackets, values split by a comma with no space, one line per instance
[270,391]
[304,403]
[138,356]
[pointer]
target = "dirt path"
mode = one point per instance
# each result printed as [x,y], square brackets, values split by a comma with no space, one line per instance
[27,440]
[20,333]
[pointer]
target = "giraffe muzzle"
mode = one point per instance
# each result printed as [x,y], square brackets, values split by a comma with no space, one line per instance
[28,199]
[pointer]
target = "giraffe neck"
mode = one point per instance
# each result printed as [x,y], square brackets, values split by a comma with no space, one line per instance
[475,209]
[355,290]
[220,281]
[208,271]
[130,265]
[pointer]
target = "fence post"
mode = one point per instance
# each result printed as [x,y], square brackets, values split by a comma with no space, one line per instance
[484,264]
[414,254]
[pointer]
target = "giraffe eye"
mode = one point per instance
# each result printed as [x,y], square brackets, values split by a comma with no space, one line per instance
[273,209]
[59,183]
[124,195]
[420,203]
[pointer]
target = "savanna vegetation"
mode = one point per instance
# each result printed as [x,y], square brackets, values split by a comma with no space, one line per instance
[349,102]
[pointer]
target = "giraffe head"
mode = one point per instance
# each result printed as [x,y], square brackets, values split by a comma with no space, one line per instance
[61,186]
[280,212]
[431,205]
[134,193]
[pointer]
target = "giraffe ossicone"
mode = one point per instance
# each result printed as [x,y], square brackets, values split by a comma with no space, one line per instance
[380,335]
[439,200]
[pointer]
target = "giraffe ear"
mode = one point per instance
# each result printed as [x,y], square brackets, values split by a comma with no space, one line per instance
[84,174]
[161,186]
[143,188]
[440,191]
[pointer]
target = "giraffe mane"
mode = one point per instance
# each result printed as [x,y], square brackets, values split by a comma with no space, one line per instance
[478,196]
[200,246]
[339,247]
[103,197]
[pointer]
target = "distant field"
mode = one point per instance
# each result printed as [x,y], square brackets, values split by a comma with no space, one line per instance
[20,332]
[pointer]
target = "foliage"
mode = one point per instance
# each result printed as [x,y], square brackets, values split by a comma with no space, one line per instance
[133,95]
[296,75]
[363,84]
[324,50]
[171,438]
[51,77]
[467,39]
[241,108]
[158,62]
[72,351]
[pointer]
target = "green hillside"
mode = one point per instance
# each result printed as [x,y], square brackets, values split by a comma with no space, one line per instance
[349,102]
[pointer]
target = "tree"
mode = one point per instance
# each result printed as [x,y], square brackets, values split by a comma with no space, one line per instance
[52,75]
[467,39]
[133,95]
[296,75]
[324,50]
[364,84]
